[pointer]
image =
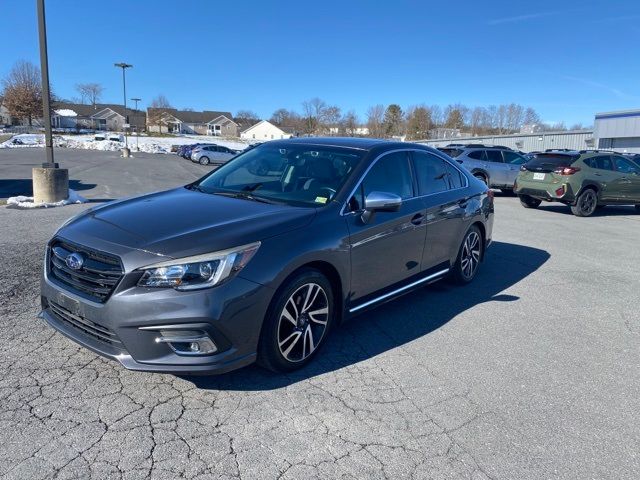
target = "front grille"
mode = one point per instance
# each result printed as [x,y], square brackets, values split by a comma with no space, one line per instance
[95,279]
[93,330]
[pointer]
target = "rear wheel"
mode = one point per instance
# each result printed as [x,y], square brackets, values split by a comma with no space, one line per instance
[204,160]
[586,203]
[297,323]
[469,256]
[507,191]
[529,202]
[482,178]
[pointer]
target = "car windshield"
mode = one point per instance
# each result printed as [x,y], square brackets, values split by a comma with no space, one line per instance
[300,175]
[550,161]
[452,152]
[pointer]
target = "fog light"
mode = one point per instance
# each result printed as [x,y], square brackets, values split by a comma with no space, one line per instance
[188,342]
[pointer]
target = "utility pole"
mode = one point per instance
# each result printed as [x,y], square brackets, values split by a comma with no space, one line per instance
[137,133]
[124,66]
[50,183]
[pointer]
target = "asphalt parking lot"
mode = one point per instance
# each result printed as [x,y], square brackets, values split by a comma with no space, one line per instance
[530,372]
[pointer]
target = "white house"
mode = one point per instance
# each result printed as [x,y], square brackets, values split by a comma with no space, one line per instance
[264,130]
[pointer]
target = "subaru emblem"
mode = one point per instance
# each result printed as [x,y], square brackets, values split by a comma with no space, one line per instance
[74,261]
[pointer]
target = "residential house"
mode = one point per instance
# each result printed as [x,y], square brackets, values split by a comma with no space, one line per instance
[101,116]
[171,120]
[264,130]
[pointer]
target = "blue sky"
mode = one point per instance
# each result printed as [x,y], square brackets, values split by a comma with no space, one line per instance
[567,59]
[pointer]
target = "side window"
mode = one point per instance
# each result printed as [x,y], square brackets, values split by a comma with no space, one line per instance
[390,174]
[625,166]
[513,158]
[456,179]
[431,172]
[494,156]
[603,162]
[476,155]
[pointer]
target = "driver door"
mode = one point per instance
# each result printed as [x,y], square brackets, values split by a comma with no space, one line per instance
[388,248]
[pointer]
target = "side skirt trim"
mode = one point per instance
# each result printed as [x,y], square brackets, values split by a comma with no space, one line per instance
[401,289]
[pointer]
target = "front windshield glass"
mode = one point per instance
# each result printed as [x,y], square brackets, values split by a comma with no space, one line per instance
[301,175]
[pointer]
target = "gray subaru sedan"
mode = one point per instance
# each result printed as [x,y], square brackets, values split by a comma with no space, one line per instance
[262,258]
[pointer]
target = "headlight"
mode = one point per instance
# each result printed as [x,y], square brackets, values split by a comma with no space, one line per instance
[200,271]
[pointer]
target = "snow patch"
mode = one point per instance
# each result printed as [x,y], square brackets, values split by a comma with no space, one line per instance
[66,112]
[27,202]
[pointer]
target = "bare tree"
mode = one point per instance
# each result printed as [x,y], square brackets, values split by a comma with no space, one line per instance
[349,124]
[531,117]
[437,116]
[90,92]
[375,118]
[156,114]
[22,91]
[247,116]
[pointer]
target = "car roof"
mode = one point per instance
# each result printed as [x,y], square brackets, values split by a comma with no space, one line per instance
[347,142]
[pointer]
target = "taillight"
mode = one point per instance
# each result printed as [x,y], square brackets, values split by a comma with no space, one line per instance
[566,170]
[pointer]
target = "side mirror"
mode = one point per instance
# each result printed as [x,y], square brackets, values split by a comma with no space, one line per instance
[380,202]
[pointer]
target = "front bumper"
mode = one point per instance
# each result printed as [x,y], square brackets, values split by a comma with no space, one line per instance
[126,327]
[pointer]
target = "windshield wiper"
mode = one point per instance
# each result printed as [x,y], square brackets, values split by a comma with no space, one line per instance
[247,196]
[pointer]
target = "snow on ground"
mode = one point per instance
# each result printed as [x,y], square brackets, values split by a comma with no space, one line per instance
[27,202]
[146,144]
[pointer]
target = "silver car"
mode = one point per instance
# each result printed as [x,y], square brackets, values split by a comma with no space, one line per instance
[217,154]
[498,167]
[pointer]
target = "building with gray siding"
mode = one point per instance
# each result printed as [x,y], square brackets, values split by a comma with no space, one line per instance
[528,142]
[619,131]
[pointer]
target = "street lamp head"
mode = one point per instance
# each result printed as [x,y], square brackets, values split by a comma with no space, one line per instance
[122,65]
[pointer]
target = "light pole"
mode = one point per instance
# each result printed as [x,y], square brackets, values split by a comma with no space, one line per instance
[50,183]
[124,66]
[137,133]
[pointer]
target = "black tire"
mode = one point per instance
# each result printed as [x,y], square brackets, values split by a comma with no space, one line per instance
[638,208]
[482,178]
[274,351]
[507,191]
[586,203]
[204,161]
[471,250]
[529,202]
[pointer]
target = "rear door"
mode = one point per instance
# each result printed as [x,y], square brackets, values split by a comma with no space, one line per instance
[388,249]
[439,185]
[629,180]
[607,178]
[497,168]
[512,161]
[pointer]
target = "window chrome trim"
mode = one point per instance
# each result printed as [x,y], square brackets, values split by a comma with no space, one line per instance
[398,290]
[437,154]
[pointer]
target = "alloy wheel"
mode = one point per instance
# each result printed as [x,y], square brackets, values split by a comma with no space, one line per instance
[470,258]
[303,322]
[588,202]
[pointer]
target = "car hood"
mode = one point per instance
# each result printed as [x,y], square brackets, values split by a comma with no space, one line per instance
[181,222]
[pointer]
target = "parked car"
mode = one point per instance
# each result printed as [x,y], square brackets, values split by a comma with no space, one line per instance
[496,166]
[188,149]
[584,180]
[260,262]
[99,137]
[215,154]
[116,137]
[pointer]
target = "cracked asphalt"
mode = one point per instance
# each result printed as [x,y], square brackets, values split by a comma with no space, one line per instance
[530,372]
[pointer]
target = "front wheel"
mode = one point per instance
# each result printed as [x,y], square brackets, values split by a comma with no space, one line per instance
[297,322]
[586,203]
[469,256]
[204,160]
[482,178]
[529,202]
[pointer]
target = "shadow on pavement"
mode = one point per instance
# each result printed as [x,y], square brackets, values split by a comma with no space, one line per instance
[11,187]
[610,211]
[397,322]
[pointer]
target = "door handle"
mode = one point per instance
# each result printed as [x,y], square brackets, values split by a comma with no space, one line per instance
[417,219]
